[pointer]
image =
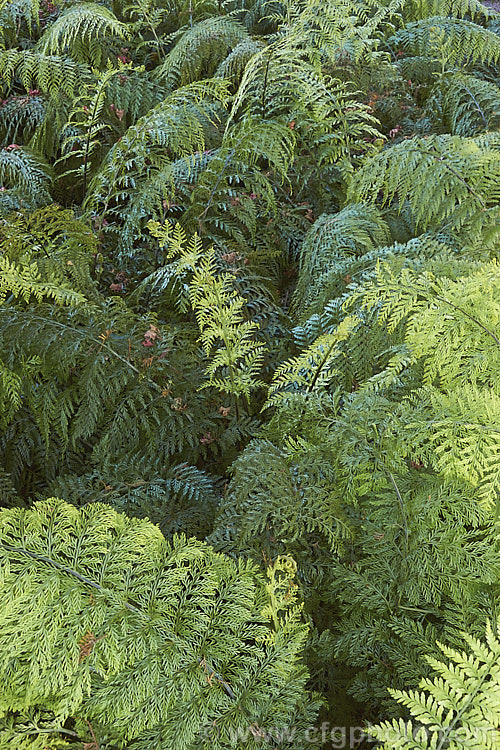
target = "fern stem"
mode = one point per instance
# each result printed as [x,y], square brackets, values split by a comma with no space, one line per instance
[53,730]
[403,512]
[264,87]
[467,315]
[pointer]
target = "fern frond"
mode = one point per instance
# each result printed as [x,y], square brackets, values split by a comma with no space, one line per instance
[200,50]
[114,581]
[80,31]
[459,707]
[48,73]
[462,176]
[451,40]
[470,105]
[355,230]
[27,173]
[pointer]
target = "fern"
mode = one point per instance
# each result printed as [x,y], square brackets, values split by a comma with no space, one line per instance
[25,172]
[249,291]
[47,73]
[114,581]
[469,104]
[176,126]
[80,32]
[227,339]
[450,40]
[356,230]
[199,51]
[458,707]
[461,175]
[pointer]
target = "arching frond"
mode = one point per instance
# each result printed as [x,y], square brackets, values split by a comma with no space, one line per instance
[200,50]
[80,31]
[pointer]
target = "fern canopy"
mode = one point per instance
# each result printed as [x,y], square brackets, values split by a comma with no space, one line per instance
[250,338]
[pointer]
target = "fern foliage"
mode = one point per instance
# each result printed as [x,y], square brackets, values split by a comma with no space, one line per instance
[459,707]
[104,586]
[249,291]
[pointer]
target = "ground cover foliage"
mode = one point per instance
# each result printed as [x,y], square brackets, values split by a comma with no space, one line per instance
[249,373]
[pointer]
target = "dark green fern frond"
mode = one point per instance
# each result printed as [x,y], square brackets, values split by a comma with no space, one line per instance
[233,66]
[447,181]
[470,105]
[450,40]
[27,173]
[355,230]
[178,126]
[20,116]
[81,32]
[180,498]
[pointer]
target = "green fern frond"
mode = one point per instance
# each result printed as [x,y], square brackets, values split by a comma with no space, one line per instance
[114,581]
[80,32]
[178,126]
[469,105]
[26,172]
[354,231]
[450,40]
[420,9]
[200,50]
[459,707]
[48,73]
[448,181]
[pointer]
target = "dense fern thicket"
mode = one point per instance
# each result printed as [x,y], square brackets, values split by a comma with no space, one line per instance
[250,341]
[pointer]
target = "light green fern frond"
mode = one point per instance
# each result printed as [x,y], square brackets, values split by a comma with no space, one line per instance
[48,73]
[80,32]
[142,638]
[200,50]
[459,707]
